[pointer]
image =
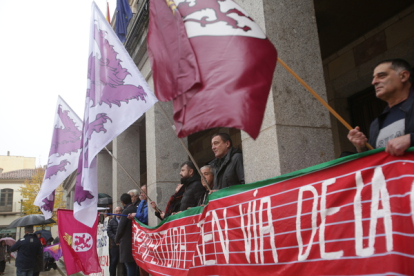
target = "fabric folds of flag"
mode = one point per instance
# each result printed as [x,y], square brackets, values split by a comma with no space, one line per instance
[78,243]
[123,15]
[54,251]
[174,65]
[116,97]
[63,155]
[236,62]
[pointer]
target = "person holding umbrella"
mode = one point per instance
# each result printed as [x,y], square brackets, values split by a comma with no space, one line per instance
[5,244]
[29,249]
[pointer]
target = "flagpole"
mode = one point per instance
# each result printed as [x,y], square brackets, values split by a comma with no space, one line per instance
[333,112]
[185,148]
[139,187]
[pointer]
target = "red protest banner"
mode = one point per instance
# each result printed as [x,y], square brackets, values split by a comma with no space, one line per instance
[351,216]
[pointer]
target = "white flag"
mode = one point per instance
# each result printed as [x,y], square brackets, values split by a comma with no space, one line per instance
[63,155]
[116,97]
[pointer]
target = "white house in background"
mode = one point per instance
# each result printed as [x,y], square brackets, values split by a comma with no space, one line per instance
[11,199]
[14,170]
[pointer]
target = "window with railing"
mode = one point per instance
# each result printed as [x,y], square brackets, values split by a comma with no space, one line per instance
[6,200]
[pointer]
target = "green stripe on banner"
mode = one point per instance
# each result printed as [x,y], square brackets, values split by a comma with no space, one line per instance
[251,186]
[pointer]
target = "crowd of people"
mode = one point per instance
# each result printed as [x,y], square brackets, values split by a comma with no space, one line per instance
[393,129]
[224,171]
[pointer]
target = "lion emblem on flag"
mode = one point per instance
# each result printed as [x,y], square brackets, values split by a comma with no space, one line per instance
[82,242]
[217,18]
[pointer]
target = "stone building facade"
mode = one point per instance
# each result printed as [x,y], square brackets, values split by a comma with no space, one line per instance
[332,46]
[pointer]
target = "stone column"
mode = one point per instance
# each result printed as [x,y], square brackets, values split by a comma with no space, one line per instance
[296,131]
[105,173]
[126,149]
[165,154]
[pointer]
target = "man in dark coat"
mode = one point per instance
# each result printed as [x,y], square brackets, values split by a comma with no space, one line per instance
[114,250]
[192,183]
[29,247]
[124,236]
[228,164]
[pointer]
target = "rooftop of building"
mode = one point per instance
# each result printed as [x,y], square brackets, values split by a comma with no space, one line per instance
[18,174]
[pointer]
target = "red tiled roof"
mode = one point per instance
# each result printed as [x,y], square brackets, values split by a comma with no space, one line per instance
[18,174]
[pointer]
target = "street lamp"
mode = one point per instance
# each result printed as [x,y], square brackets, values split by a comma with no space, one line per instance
[21,214]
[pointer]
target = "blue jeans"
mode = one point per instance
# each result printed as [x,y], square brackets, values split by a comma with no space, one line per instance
[131,267]
[24,272]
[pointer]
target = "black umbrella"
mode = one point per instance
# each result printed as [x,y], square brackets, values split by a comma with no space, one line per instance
[30,220]
[44,234]
[104,200]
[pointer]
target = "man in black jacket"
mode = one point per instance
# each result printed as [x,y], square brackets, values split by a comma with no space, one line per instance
[192,184]
[29,247]
[124,236]
[228,164]
[114,251]
[394,128]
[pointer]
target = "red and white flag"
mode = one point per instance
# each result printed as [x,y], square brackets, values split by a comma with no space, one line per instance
[235,61]
[116,97]
[78,243]
[173,61]
[63,155]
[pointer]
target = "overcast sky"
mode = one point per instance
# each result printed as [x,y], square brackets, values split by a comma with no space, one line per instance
[43,54]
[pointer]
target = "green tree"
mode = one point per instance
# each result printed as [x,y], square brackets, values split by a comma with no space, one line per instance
[31,188]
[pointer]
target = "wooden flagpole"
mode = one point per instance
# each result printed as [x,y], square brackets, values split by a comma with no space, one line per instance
[333,112]
[185,148]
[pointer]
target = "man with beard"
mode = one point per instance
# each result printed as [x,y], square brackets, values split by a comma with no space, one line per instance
[192,184]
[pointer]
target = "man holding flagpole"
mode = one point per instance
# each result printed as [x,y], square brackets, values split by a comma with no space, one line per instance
[394,128]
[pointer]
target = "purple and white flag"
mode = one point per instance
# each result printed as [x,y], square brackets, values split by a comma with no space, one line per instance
[116,97]
[63,155]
